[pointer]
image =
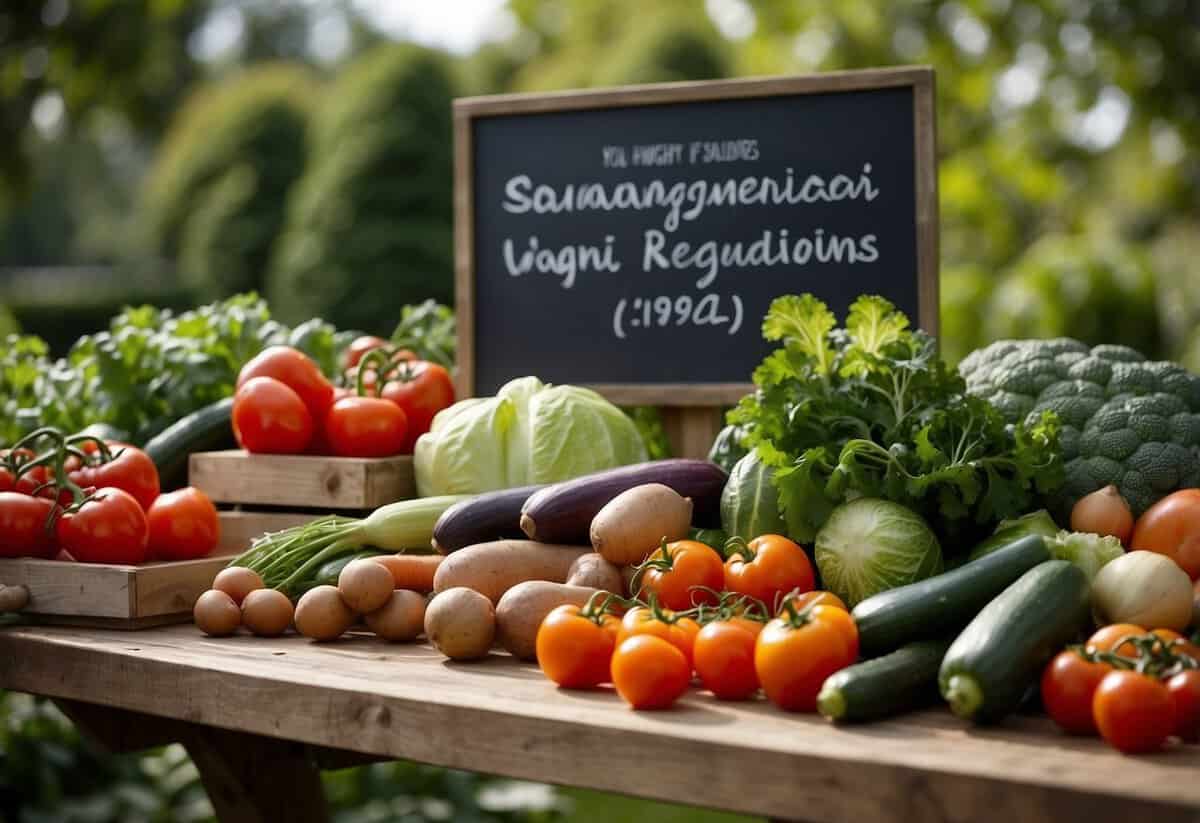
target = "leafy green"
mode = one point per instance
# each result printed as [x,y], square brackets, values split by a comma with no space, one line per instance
[428,330]
[871,410]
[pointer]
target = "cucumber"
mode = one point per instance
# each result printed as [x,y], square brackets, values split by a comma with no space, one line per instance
[208,429]
[888,685]
[1000,654]
[945,603]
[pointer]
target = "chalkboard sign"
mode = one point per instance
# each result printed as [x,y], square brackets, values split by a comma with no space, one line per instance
[632,239]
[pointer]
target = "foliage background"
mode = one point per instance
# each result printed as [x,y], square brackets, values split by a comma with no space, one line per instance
[309,157]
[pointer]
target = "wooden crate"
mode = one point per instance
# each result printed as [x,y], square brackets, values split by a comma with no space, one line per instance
[240,527]
[321,483]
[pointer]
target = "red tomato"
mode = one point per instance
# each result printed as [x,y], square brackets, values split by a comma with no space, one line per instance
[1184,689]
[1069,683]
[131,470]
[108,528]
[360,346]
[1172,527]
[679,574]
[295,370]
[23,530]
[769,567]
[422,389]
[1134,712]
[723,656]
[574,650]
[680,632]
[649,672]
[366,427]
[183,525]
[793,658]
[270,418]
[30,480]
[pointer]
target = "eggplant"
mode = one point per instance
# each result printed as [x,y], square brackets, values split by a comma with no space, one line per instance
[563,512]
[487,517]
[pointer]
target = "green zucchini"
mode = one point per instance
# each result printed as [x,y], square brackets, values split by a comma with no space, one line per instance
[888,685]
[944,603]
[208,429]
[1000,654]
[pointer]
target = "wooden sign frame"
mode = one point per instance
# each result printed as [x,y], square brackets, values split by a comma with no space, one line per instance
[692,420]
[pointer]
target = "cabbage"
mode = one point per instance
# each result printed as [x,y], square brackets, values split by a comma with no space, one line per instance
[1090,552]
[528,433]
[869,545]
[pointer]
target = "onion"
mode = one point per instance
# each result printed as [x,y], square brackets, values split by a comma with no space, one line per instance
[1103,512]
[1145,588]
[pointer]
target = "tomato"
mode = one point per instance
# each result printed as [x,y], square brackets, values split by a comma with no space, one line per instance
[131,469]
[678,574]
[841,620]
[366,427]
[1134,712]
[360,346]
[804,600]
[297,371]
[649,672]
[30,480]
[1069,683]
[723,655]
[1184,689]
[23,529]
[108,528]
[770,566]
[422,389]
[794,656]
[270,418]
[1104,639]
[574,649]
[680,632]
[183,525]
[1172,527]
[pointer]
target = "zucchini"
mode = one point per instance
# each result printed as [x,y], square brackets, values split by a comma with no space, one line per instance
[490,516]
[208,429]
[1000,654]
[888,685]
[750,501]
[945,603]
[563,512]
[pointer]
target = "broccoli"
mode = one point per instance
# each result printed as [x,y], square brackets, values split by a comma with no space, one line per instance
[1125,420]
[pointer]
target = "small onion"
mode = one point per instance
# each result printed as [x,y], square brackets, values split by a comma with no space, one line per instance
[1103,512]
[1145,588]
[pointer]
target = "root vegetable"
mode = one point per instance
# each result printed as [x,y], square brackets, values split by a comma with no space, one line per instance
[461,623]
[402,617]
[216,614]
[267,612]
[523,608]
[1103,512]
[412,571]
[321,614]
[493,568]
[636,521]
[365,585]
[1145,588]
[594,571]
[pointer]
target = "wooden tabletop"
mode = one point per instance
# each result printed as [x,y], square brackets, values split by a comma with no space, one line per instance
[505,718]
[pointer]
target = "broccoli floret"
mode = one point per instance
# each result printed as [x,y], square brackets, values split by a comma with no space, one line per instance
[1132,378]
[1117,354]
[1185,429]
[1091,370]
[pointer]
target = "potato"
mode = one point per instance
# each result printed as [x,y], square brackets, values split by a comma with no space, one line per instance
[461,623]
[594,571]
[365,585]
[321,614]
[402,617]
[523,608]
[635,522]
[493,568]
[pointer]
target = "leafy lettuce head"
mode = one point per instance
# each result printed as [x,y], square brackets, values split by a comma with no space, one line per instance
[528,433]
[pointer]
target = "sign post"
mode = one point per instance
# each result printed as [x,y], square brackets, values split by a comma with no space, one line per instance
[632,239]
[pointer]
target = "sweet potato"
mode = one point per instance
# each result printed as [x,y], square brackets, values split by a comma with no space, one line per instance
[594,571]
[635,522]
[523,608]
[493,568]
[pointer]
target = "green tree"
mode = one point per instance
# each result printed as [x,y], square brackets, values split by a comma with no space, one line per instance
[369,226]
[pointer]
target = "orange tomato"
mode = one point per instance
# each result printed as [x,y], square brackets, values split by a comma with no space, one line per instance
[574,649]
[804,600]
[1104,639]
[723,657]
[770,566]
[680,632]
[684,574]
[649,672]
[1172,527]
[841,620]
[794,656]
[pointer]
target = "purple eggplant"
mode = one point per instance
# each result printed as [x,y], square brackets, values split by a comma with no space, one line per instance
[490,516]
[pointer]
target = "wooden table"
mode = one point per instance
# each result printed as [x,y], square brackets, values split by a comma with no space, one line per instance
[243,706]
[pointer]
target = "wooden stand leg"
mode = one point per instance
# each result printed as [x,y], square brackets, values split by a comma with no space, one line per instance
[691,429]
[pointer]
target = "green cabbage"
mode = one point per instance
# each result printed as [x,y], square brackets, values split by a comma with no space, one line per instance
[528,433]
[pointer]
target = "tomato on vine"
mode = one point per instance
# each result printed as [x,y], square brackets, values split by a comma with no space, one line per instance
[108,527]
[653,620]
[649,672]
[422,389]
[797,651]
[767,568]
[803,600]
[1134,712]
[360,346]
[129,468]
[25,526]
[723,656]
[1069,684]
[1184,689]
[682,574]
[575,645]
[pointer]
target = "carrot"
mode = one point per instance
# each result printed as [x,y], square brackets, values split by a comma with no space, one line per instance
[412,571]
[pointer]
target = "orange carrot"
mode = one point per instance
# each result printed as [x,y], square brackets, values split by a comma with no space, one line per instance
[412,571]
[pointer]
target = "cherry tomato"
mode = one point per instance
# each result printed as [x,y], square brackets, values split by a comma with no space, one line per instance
[30,480]
[649,672]
[1134,712]
[1104,639]
[574,650]
[1172,527]
[1069,683]
[679,573]
[366,427]
[680,632]
[770,566]
[724,659]
[183,525]
[793,658]
[804,600]
[108,528]
[1184,689]
[422,389]
[131,469]
[297,371]
[360,346]
[23,530]
[270,418]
